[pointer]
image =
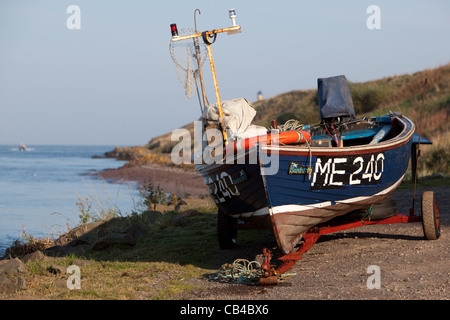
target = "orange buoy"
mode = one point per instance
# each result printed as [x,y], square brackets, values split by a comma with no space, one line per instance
[287,137]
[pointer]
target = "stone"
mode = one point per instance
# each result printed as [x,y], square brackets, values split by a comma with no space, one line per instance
[182,218]
[79,250]
[11,284]
[12,266]
[78,234]
[84,229]
[55,269]
[163,208]
[189,213]
[137,232]
[61,251]
[36,255]
[56,251]
[79,242]
[195,203]
[80,263]
[150,216]
[180,221]
[10,278]
[114,239]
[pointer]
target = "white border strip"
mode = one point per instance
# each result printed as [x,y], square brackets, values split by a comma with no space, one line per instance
[260,212]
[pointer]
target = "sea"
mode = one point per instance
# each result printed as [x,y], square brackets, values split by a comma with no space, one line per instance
[45,189]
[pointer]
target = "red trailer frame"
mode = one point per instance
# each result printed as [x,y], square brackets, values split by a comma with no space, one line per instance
[429,219]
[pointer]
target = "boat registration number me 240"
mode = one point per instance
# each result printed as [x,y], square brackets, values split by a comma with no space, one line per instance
[342,172]
[224,186]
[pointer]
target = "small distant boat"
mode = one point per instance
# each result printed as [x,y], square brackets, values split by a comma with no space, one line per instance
[23,147]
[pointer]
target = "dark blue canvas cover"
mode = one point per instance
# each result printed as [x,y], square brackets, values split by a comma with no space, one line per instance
[335,99]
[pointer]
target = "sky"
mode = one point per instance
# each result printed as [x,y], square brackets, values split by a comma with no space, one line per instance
[112,81]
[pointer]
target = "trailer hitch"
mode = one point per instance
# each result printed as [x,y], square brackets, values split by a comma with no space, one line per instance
[270,276]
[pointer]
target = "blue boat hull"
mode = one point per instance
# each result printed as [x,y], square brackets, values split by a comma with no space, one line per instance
[338,184]
[310,185]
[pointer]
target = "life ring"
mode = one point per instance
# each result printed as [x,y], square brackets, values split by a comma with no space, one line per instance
[286,137]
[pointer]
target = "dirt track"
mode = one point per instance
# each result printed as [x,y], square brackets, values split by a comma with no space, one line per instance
[411,268]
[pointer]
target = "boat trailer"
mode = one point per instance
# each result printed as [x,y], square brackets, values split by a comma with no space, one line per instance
[429,218]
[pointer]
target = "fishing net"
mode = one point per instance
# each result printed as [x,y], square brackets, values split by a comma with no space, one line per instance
[188,56]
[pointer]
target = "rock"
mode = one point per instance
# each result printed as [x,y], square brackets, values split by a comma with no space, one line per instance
[21,249]
[80,263]
[114,239]
[12,266]
[136,231]
[180,221]
[61,251]
[195,203]
[183,218]
[56,251]
[189,213]
[78,250]
[37,255]
[150,216]
[11,284]
[84,229]
[79,233]
[55,269]
[10,278]
[163,208]
[84,240]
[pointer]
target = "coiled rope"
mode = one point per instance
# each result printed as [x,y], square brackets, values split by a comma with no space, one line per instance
[240,271]
[243,271]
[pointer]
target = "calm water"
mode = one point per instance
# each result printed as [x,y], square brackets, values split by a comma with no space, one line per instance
[39,189]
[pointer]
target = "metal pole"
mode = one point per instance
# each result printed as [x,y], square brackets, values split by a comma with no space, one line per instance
[196,35]
[216,88]
[197,53]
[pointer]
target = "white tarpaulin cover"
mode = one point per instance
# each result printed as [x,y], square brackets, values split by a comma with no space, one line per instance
[238,115]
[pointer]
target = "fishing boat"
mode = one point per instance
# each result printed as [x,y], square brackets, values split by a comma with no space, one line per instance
[293,177]
[338,166]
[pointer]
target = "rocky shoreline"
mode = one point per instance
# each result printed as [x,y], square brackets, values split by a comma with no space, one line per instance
[170,179]
[144,167]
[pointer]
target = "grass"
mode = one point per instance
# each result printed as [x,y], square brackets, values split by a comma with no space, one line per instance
[162,265]
[426,182]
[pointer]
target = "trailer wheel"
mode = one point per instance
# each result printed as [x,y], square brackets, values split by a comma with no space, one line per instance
[226,230]
[430,216]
